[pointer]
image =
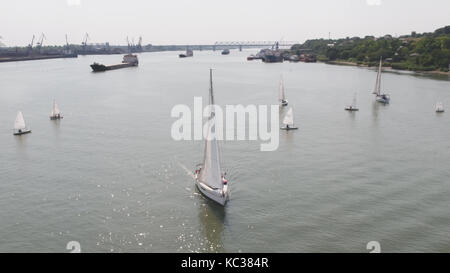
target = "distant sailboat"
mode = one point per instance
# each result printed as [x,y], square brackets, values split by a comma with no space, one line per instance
[288,121]
[353,106]
[383,98]
[283,100]
[440,107]
[19,125]
[209,178]
[55,114]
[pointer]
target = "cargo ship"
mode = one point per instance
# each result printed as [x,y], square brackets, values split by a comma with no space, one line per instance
[189,53]
[128,61]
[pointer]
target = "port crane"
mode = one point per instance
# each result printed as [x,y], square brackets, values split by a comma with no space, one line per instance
[131,45]
[40,41]
[84,43]
[67,42]
[30,46]
[139,45]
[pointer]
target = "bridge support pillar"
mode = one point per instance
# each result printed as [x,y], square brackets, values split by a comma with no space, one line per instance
[240,47]
[214,48]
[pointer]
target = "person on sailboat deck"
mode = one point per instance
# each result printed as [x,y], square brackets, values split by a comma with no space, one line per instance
[224,180]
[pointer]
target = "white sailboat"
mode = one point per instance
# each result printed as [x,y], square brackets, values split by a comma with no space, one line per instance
[55,114]
[439,107]
[383,98]
[19,125]
[283,100]
[209,177]
[353,106]
[288,121]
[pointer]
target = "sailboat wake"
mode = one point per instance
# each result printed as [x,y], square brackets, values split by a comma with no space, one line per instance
[188,172]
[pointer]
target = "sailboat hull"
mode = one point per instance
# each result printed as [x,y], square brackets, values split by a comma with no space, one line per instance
[22,133]
[383,100]
[351,109]
[56,118]
[289,128]
[211,193]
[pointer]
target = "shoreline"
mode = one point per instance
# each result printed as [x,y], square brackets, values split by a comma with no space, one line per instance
[347,63]
[32,58]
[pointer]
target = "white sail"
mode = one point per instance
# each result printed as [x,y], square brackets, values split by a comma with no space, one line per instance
[354,101]
[19,124]
[55,110]
[377,90]
[282,94]
[289,118]
[211,172]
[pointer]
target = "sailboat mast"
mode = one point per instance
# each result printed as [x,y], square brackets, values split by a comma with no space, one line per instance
[211,95]
[282,95]
[379,76]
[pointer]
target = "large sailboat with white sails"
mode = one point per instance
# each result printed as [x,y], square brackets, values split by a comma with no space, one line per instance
[380,97]
[209,176]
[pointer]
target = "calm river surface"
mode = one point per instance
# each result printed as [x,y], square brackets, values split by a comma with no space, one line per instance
[110,176]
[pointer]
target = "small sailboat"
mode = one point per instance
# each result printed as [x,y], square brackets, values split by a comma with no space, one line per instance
[352,107]
[380,97]
[55,114]
[19,125]
[283,100]
[209,177]
[439,107]
[288,121]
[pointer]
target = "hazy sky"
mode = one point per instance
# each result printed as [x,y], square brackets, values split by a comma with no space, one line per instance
[207,21]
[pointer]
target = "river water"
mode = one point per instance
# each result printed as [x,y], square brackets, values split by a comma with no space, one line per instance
[110,176]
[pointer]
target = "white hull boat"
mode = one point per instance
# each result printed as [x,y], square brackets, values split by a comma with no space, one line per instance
[209,177]
[439,107]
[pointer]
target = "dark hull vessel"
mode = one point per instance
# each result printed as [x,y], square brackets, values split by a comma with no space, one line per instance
[272,59]
[101,67]
[22,132]
[128,61]
[189,53]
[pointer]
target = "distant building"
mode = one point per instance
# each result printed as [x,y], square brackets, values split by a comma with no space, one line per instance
[414,55]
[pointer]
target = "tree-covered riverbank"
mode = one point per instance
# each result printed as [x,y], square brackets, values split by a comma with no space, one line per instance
[415,52]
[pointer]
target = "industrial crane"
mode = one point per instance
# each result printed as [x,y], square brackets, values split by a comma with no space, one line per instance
[30,46]
[139,45]
[84,43]
[40,41]
[129,45]
[67,42]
